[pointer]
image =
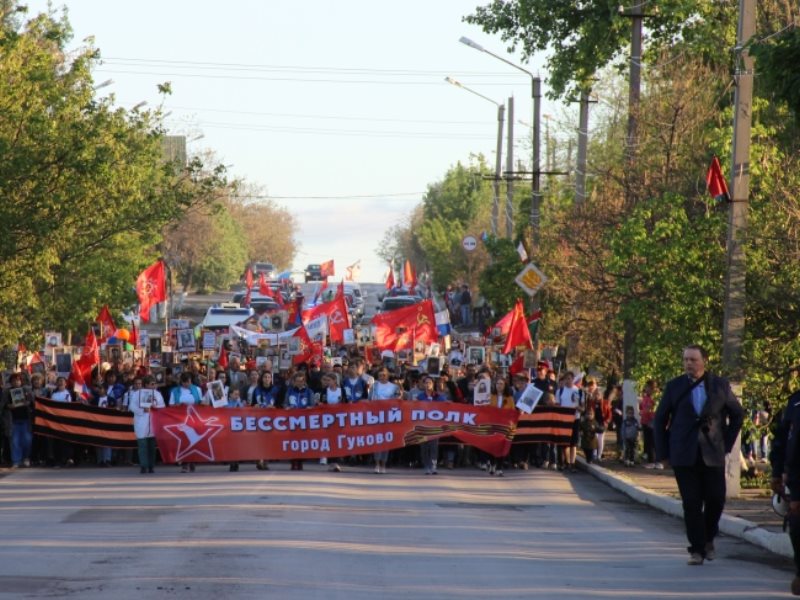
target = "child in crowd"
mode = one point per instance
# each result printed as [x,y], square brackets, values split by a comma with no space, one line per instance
[630,436]
[589,430]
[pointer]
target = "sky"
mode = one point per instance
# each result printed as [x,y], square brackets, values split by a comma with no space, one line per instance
[338,110]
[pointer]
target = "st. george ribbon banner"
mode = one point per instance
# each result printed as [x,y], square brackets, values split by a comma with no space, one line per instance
[193,433]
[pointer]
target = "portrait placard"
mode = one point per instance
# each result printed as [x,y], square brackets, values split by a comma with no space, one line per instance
[185,340]
[218,397]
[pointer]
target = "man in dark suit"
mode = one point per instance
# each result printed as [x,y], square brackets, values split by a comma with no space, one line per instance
[696,425]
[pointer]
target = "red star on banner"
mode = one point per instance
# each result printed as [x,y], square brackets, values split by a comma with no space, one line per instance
[195,434]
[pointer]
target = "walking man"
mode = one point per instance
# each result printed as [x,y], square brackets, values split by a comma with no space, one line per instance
[695,426]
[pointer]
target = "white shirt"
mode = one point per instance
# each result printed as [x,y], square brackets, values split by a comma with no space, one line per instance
[142,424]
[61,396]
[385,391]
[570,397]
[333,396]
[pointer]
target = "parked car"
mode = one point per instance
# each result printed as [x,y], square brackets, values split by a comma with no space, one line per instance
[352,290]
[314,273]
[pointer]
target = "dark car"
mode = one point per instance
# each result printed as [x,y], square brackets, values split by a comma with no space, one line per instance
[396,302]
[314,273]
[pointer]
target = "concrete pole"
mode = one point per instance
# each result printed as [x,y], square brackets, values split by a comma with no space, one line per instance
[510,170]
[498,167]
[733,321]
[583,140]
[536,194]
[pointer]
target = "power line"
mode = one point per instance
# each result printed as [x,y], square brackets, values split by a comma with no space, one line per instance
[289,68]
[324,117]
[345,197]
[289,79]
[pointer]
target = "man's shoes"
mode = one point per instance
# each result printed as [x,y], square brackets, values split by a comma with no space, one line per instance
[796,586]
[711,552]
[695,559]
[143,470]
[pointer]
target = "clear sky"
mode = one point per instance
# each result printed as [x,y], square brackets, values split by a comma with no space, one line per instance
[319,102]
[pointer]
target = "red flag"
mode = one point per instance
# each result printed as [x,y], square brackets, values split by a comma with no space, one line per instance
[409,275]
[399,328]
[247,296]
[308,348]
[518,366]
[248,278]
[338,319]
[106,322]
[151,287]
[390,278]
[79,373]
[91,352]
[222,359]
[32,360]
[518,332]
[503,325]
[717,186]
[263,286]
[340,289]
[134,339]
[326,269]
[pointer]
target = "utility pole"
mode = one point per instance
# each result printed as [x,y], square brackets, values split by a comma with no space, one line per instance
[510,169]
[536,193]
[629,394]
[498,167]
[583,142]
[733,321]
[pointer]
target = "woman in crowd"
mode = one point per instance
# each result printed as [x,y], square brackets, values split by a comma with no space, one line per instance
[502,397]
[141,405]
[383,389]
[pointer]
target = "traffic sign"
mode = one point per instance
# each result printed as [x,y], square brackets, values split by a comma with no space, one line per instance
[531,279]
[469,243]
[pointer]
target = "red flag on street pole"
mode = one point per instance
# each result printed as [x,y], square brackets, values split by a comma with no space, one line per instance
[151,287]
[715,181]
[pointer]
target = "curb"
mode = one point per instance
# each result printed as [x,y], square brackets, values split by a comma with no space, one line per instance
[777,543]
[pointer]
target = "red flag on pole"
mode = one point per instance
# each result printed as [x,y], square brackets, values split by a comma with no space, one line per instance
[91,351]
[326,269]
[717,186]
[518,333]
[263,286]
[399,328]
[106,322]
[248,278]
[340,289]
[338,319]
[390,278]
[409,275]
[222,359]
[151,287]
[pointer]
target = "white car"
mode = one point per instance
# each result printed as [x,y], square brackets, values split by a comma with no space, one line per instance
[225,315]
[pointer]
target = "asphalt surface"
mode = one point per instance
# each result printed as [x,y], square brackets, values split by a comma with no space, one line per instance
[113,533]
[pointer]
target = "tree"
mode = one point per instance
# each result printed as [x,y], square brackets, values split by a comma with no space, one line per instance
[85,191]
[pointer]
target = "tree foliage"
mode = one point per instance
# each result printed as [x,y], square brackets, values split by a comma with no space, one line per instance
[84,190]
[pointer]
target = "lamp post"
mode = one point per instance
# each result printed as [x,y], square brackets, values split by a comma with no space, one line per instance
[498,158]
[536,195]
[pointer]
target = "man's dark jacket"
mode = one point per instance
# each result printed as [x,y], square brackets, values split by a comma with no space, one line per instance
[679,430]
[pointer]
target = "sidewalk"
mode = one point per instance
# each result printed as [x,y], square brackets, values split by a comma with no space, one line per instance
[749,517]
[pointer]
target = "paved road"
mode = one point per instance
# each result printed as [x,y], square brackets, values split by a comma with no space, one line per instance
[112,533]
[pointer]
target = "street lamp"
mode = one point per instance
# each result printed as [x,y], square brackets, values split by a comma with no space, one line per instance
[499,154]
[536,196]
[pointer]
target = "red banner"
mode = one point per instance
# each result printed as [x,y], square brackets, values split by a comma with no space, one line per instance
[204,434]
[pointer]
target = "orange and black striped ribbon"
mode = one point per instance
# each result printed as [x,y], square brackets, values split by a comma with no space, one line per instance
[84,424]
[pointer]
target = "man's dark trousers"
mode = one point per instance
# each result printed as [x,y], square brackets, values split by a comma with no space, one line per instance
[702,490]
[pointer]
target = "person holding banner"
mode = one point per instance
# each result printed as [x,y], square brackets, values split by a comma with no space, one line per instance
[501,398]
[185,393]
[298,396]
[429,450]
[141,405]
[383,389]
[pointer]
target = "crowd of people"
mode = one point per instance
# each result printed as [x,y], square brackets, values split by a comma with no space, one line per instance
[131,388]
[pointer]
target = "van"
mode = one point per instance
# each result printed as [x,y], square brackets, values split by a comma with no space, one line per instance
[225,315]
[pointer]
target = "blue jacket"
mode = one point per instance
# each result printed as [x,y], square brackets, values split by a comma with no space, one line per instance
[298,398]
